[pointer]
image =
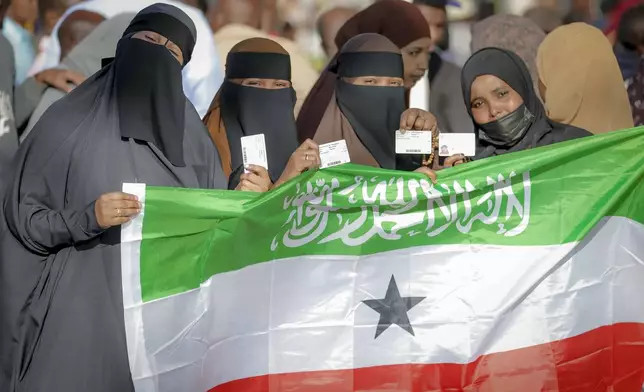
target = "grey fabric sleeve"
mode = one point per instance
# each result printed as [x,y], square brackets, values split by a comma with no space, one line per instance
[27,97]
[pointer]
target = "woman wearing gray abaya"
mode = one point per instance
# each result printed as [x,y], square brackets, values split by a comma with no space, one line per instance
[61,308]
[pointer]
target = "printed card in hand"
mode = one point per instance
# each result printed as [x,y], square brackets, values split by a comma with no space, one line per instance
[456,143]
[334,154]
[414,142]
[254,151]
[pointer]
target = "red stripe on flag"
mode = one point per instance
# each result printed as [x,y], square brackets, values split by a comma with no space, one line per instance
[609,358]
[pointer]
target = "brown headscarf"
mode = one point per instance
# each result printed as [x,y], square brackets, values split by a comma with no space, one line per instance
[510,32]
[399,21]
[214,118]
[582,80]
[369,143]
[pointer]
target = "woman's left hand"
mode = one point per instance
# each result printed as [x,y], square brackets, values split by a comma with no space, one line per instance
[256,180]
[306,157]
[417,120]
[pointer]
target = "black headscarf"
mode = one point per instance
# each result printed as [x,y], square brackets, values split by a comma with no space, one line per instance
[509,67]
[373,112]
[249,110]
[148,83]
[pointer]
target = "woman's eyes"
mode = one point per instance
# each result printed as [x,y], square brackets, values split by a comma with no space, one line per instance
[151,38]
[502,94]
[476,104]
[396,83]
[281,84]
[369,81]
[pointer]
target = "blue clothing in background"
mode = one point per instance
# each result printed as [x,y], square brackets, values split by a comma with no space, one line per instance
[23,47]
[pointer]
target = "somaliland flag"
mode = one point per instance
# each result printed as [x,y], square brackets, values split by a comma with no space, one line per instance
[522,272]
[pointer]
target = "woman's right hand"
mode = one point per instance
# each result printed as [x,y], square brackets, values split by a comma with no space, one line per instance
[306,157]
[115,208]
[256,180]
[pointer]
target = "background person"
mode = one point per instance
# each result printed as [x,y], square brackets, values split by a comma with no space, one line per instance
[585,90]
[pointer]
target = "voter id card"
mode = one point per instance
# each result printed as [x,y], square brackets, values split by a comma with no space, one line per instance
[414,142]
[254,151]
[334,154]
[456,143]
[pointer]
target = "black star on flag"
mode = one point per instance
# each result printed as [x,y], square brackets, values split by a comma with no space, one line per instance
[393,309]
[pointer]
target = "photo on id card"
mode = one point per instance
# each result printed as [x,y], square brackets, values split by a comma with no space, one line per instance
[456,143]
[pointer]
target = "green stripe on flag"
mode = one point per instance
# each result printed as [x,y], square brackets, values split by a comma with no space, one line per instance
[547,196]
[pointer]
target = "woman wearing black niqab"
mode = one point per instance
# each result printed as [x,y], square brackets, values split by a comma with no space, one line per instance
[367,104]
[507,114]
[257,97]
[61,307]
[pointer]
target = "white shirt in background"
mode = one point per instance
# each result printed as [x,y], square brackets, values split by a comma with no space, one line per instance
[201,77]
[419,94]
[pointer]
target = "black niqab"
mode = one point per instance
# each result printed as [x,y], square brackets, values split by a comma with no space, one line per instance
[373,111]
[148,82]
[248,110]
[61,303]
[509,67]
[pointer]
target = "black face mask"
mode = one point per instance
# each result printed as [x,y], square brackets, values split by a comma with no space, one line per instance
[251,111]
[374,113]
[149,92]
[509,130]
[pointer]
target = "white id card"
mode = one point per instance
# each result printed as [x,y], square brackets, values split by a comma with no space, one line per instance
[414,142]
[334,154]
[254,151]
[456,143]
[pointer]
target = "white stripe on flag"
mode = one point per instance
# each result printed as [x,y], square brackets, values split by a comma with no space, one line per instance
[306,313]
[131,236]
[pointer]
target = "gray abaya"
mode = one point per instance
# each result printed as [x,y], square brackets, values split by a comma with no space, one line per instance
[61,309]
